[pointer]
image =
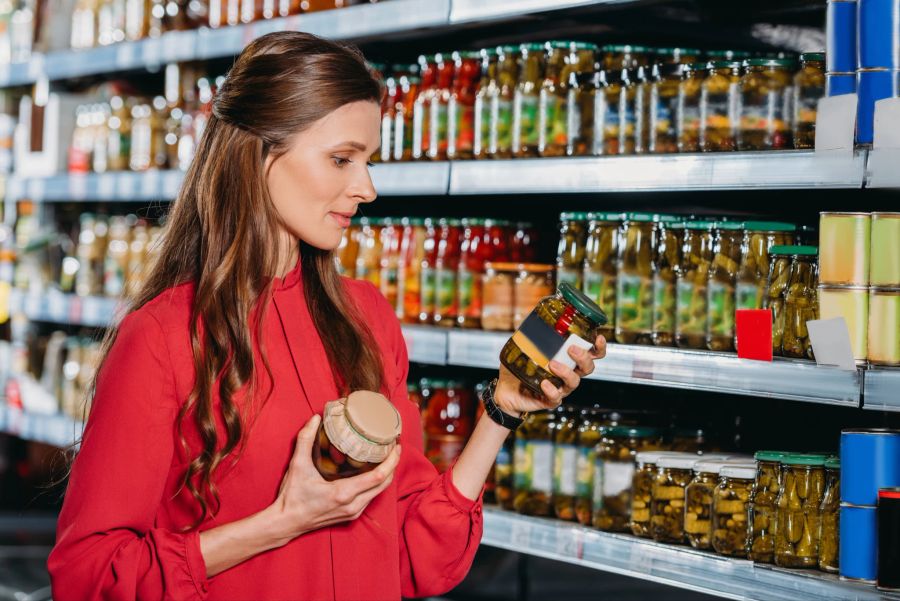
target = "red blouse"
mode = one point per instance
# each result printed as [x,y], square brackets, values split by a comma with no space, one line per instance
[121,530]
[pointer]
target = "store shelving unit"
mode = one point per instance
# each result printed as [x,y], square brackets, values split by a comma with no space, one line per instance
[673,565]
[882,389]
[57,430]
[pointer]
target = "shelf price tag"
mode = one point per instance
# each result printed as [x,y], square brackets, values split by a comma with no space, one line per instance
[569,543]
[520,534]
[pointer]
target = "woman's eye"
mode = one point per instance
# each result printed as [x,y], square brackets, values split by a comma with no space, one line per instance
[340,161]
[370,163]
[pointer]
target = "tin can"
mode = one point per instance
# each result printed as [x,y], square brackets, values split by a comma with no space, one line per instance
[851,303]
[889,539]
[837,84]
[859,543]
[844,244]
[872,85]
[884,326]
[840,29]
[870,460]
[885,250]
[879,34]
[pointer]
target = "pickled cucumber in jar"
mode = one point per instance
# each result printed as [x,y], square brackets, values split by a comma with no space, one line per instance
[565,462]
[570,252]
[691,286]
[800,303]
[533,465]
[720,106]
[503,473]
[776,284]
[721,286]
[642,491]
[829,522]
[600,264]
[699,500]
[762,510]
[667,509]
[765,105]
[797,511]
[590,432]
[689,107]
[668,236]
[634,284]
[759,237]
[731,510]
[614,472]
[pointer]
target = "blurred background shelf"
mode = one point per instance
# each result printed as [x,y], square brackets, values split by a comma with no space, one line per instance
[57,430]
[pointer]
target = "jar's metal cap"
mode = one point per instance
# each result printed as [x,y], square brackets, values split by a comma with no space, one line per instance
[582,303]
[728,225]
[726,64]
[662,218]
[803,251]
[535,267]
[773,63]
[652,457]
[711,466]
[685,461]
[805,459]
[699,225]
[573,216]
[769,226]
[642,217]
[775,456]
[740,472]
[727,54]
[606,216]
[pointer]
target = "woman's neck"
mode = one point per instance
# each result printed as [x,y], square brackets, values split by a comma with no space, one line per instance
[288,254]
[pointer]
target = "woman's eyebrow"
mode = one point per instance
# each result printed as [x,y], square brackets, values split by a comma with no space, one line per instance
[357,145]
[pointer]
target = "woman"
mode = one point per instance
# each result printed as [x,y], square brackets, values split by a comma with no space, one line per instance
[192,480]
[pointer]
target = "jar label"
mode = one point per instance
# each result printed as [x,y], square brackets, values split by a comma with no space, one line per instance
[482,138]
[469,294]
[408,292]
[806,103]
[497,303]
[634,303]
[421,127]
[521,465]
[542,343]
[552,120]
[541,453]
[748,296]
[525,120]
[386,135]
[445,292]
[501,124]
[691,306]
[721,309]
[439,128]
[564,470]
[720,111]
[402,136]
[584,484]
[688,114]
[426,289]
[611,122]
[662,113]
[764,112]
[617,476]
[569,275]
[573,120]
[601,288]
[663,305]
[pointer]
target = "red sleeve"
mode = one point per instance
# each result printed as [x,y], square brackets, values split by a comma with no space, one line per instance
[440,528]
[107,546]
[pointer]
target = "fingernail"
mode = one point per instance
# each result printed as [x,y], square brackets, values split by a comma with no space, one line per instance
[577,350]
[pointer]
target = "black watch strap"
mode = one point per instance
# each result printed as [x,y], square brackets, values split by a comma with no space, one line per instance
[494,412]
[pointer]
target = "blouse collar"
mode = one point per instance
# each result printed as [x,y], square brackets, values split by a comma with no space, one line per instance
[290,279]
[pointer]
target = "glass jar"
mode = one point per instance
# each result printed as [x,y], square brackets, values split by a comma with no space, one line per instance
[408,91]
[765,105]
[664,100]
[523,244]
[762,509]
[349,249]
[449,421]
[809,88]
[667,508]
[698,496]
[498,296]
[568,318]
[634,283]
[642,491]
[776,284]
[388,117]
[570,252]
[439,114]
[563,61]
[759,237]
[502,101]
[693,277]
[389,239]
[601,257]
[526,126]
[677,56]
[427,272]
[368,260]
[668,236]
[533,282]
[590,432]
[631,111]
[589,110]
[688,115]
[446,266]
[533,465]
[614,472]
[797,511]
[488,87]
[829,521]
[801,303]
[720,105]
[616,57]
[428,91]
[475,251]
[503,474]
[612,118]
[731,510]
[356,434]
[409,268]
[721,287]
[565,462]
[461,105]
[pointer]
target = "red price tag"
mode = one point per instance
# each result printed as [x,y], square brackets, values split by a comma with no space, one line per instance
[754,334]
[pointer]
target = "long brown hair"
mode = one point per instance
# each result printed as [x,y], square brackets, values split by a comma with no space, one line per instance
[221,227]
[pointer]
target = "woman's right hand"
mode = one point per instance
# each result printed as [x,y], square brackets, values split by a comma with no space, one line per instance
[306,501]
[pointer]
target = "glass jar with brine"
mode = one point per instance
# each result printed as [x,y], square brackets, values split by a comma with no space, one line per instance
[570,252]
[720,106]
[665,83]
[693,277]
[667,508]
[612,117]
[698,496]
[642,491]
[762,509]
[759,237]
[720,289]
[590,432]
[776,284]
[533,465]
[487,88]
[503,473]
[731,510]
[829,521]
[501,103]
[668,236]
[526,102]
[533,283]
[688,116]
[564,61]
[590,110]
[601,264]
[801,303]
[631,111]
[565,462]
[809,88]
[634,283]
[765,105]
[614,471]
[797,511]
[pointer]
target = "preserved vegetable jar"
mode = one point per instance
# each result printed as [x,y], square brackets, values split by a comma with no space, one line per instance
[663,108]
[568,318]
[422,107]
[409,269]
[487,88]
[776,284]
[601,258]
[698,497]
[557,95]
[408,90]
[476,249]
[356,434]
[348,249]
[590,431]
[616,57]
[570,252]
[829,522]
[765,105]
[368,260]
[667,507]
[762,509]
[642,491]
[522,247]
[731,510]
[585,132]
[525,130]
[534,282]
[677,56]
[439,113]
[461,105]
[720,289]
[631,112]
[428,271]
[449,421]
[809,88]
[533,465]
[446,265]
[501,103]
[497,296]
[759,237]
[797,511]
[614,472]
[668,236]
[634,284]
[801,302]
[687,118]
[565,462]
[388,116]
[693,277]
[503,474]
[390,258]
[720,105]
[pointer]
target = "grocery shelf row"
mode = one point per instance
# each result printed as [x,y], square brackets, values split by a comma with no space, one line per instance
[57,430]
[783,378]
[369,21]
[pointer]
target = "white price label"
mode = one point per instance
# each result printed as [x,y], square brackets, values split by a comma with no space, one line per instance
[568,544]
[520,535]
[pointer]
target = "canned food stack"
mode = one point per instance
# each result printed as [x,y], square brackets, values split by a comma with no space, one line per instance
[870,461]
[841,63]
[879,60]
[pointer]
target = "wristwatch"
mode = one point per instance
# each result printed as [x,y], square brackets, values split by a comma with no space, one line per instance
[496,413]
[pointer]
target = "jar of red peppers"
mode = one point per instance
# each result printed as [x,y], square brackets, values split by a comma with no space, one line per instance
[439,113]
[449,421]
[523,246]
[409,269]
[446,266]
[408,86]
[422,107]
[390,258]
[461,105]
[428,272]
[476,249]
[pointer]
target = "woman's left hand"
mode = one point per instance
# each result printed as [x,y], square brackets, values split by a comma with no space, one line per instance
[513,398]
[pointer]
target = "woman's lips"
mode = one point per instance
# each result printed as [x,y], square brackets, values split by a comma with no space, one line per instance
[341,219]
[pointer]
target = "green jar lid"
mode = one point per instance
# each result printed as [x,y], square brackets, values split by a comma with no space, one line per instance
[532,47]
[728,225]
[378,66]
[507,49]
[674,51]
[779,249]
[769,226]
[622,48]
[804,459]
[467,55]
[582,303]
[454,222]
[474,221]
[701,66]
[775,456]
[729,55]
[456,384]
[606,216]
[412,385]
[641,217]
[573,216]
[633,431]
[726,64]
[812,56]
[833,463]
[488,52]
[659,218]
[699,225]
[565,45]
[805,251]
[437,383]
[414,221]
[426,58]
[775,63]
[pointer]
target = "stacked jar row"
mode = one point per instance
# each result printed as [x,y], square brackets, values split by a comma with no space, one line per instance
[567,98]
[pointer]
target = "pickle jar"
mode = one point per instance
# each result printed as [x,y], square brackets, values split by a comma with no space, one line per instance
[590,432]
[614,473]
[487,88]
[693,277]
[533,465]
[721,287]
[609,121]
[667,507]
[688,118]
[797,511]
[461,105]
[558,91]
[776,284]
[568,318]
[601,257]
[765,105]
[616,57]
[642,491]
[565,462]
[801,302]
[503,473]
[533,282]
[762,509]
[809,88]
[357,433]
[634,283]
[759,237]
[588,113]
[677,56]
[668,236]
[525,127]
[720,102]
[829,520]
[664,86]
[731,510]
[698,498]
[501,101]
[570,252]
[497,293]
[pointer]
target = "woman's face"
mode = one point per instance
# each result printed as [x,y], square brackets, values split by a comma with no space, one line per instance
[318,184]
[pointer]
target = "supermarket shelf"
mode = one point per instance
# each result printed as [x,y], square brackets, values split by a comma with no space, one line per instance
[720,171]
[470,11]
[411,179]
[696,370]
[671,565]
[882,389]
[56,429]
[53,306]
[426,344]
[881,168]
